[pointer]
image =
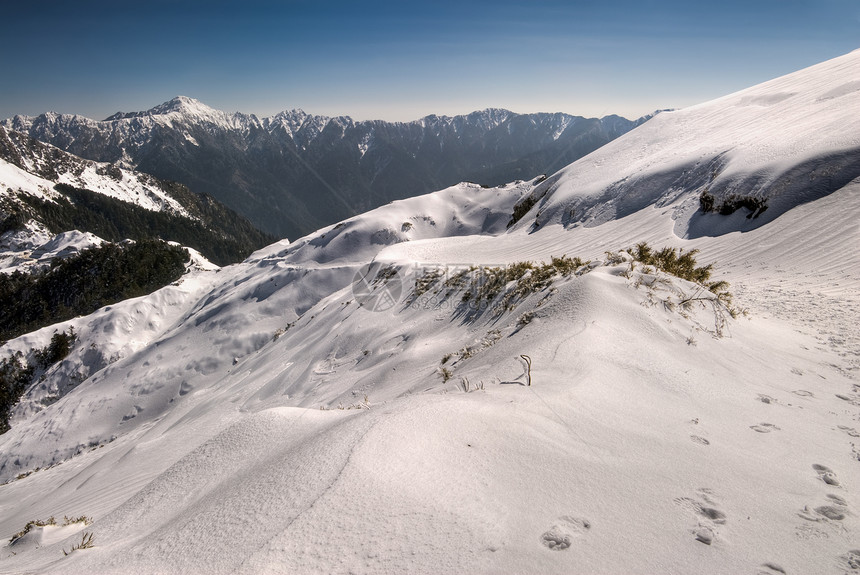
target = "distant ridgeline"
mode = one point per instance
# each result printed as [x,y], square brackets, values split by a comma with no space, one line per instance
[294,173]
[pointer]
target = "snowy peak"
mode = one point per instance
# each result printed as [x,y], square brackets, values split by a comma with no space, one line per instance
[178,105]
[184,105]
[190,112]
[487,119]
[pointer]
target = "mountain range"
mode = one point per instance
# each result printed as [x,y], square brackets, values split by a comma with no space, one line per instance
[293,173]
[646,362]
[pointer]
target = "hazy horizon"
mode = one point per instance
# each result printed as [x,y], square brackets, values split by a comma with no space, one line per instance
[396,62]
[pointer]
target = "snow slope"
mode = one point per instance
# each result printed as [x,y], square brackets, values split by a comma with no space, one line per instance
[37,167]
[264,418]
[788,141]
[34,168]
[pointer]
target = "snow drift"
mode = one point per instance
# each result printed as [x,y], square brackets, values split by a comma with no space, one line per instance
[262,418]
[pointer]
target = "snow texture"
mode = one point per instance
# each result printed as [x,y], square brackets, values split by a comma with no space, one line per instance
[261,419]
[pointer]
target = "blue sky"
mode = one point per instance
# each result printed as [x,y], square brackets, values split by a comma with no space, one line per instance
[403,60]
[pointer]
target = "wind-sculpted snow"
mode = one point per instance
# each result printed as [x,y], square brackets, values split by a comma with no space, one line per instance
[246,305]
[776,145]
[279,415]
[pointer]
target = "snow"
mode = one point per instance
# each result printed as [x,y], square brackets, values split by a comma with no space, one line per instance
[364,144]
[29,249]
[133,187]
[15,179]
[735,144]
[260,418]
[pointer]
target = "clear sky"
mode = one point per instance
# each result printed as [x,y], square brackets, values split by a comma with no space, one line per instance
[403,60]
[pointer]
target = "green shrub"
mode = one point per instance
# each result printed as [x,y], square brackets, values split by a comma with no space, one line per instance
[15,376]
[86,543]
[60,346]
[29,527]
[682,264]
[673,261]
[732,203]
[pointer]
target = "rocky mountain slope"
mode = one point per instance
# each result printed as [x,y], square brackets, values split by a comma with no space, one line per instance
[294,172]
[45,191]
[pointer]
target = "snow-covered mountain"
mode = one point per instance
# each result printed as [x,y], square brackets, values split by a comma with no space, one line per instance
[400,393]
[35,167]
[295,172]
[45,191]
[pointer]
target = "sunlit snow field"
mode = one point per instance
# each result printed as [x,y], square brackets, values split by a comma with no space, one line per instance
[268,418]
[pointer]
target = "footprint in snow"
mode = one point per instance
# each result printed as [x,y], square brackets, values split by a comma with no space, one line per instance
[826,474]
[849,430]
[803,393]
[709,517]
[823,513]
[836,510]
[851,400]
[561,535]
[764,427]
[851,560]
[766,399]
[699,439]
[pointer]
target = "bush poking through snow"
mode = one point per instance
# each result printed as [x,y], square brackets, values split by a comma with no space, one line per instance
[681,264]
[50,521]
[529,278]
[673,261]
[30,526]
[467,386]
[528,361]
[72,520]
[86,543]
[60,346]
[732,203]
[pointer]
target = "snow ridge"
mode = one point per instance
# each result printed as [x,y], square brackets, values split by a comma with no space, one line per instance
[765,149]
[297,413]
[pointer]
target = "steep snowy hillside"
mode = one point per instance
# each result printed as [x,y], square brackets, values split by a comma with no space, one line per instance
[413,391]
[29,165]
[754,154]
[45,191]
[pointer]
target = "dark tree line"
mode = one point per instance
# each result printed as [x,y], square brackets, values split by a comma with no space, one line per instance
[223,237]
[80,285]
